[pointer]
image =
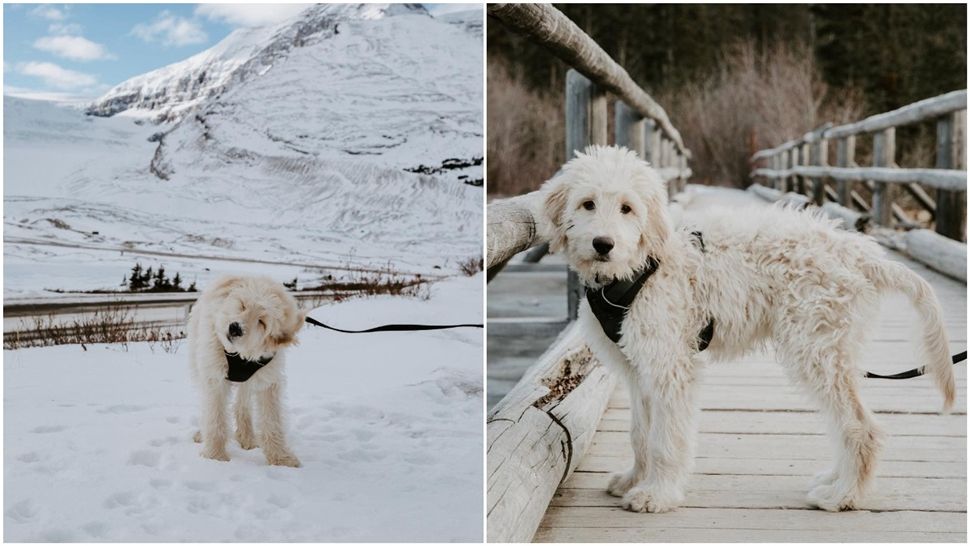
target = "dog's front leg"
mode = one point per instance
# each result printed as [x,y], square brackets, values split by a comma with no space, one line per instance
[272,433]
[214,426]
[622,482]
[670,441]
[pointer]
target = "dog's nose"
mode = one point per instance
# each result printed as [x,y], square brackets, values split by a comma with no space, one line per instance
[603,245]
[235,330]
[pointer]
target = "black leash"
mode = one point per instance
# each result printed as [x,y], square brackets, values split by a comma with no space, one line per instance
[915,372]
[394,327]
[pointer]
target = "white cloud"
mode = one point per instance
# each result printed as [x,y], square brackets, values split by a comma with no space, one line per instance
[76,48]
[48,12]
[171,30]
[64,28]
[249,15]
[56,76]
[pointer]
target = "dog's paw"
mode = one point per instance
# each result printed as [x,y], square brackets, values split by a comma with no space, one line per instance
[828,498]
[246,441]
[197,437]
[215,454]
[639,499]
[620,483]
[283,459]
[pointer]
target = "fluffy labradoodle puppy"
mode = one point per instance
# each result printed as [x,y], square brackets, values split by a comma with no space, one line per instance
[731,283]
[238,332]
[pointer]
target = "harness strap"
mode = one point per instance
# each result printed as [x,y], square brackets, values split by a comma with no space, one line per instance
[394,327]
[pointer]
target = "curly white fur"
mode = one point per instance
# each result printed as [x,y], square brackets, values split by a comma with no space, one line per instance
[268,318]
[768,276]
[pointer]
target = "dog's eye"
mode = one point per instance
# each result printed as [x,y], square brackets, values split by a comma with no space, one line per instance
[262,324]
[625,209]
[589,205]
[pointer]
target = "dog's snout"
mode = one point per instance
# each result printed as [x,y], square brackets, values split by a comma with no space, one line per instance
[235,330]
[603,245]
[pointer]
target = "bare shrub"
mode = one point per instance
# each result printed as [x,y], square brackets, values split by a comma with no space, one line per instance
[471,266]
[755,101]
[113,324]
[368,283]
[526,132]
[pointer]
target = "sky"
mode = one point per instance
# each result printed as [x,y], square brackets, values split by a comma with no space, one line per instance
[82,50]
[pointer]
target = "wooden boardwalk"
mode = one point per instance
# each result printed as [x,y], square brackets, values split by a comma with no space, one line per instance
[761,441]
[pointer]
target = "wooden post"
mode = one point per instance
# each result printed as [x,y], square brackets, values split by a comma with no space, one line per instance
[883,155]
[951,206]
[788,184]
[585,125]
[845,157]
[629,129]
[820,157]
[777,163]
[803,159]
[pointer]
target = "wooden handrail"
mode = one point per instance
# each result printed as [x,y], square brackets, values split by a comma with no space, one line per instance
[923,110]
[548,27]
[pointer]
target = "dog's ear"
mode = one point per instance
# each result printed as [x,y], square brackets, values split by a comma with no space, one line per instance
[293,323]
[554,196]
[656,227]
[223,285]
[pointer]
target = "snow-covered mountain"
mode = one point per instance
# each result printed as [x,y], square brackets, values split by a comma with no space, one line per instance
[168,92]
[348,135]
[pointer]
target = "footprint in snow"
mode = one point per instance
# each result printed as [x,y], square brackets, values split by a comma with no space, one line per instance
[145,457]
[29,457]
[122,408]
[22,511]
[123,498]
[95,529]
[47,429]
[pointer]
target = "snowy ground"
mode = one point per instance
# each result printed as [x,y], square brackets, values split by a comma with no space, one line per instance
[388,427]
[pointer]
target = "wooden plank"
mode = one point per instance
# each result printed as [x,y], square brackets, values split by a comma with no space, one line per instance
[724,535]
[784,467]
[779,492]
[949,179]
[938,251]
[760,422]
[718,519]
[629,129]
[795,446]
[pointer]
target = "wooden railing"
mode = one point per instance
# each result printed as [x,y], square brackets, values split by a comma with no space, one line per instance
[540,430]
[802,165]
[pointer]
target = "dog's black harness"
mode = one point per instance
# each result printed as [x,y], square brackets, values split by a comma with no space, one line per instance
[610,303]
[241,369]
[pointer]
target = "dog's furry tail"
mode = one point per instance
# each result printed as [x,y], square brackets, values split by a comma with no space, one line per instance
[935,353]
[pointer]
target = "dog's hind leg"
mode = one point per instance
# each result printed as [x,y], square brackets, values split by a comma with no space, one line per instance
[244,421]
[271,430]
[214,425]
[829,372]
[621,482]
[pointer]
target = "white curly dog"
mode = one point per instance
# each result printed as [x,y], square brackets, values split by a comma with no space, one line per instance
[766,277]
[248,322]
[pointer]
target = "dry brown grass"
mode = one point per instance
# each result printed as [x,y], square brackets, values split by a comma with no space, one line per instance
[114,324]
[526,132]
[756,100]
[471,266]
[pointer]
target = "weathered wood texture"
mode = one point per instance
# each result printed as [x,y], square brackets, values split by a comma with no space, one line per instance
[947,179]
[538,432]
[548,27]
[761,440]
[511,228]
[804,162]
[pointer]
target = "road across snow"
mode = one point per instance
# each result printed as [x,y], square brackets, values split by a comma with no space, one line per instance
[388,427]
